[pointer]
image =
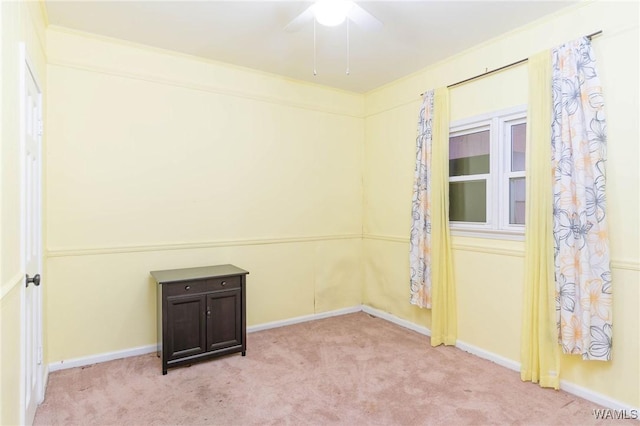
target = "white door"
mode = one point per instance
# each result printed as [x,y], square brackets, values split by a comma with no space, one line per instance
[31,132]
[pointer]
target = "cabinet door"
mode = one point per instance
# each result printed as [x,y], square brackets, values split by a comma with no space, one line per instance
[186,327]
[224,319]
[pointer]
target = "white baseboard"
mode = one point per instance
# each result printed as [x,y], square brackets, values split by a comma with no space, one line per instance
[481,353]
[427,332]
[396,320]
[304,318]
[569,387]
[597,398]
[45,382]
[142,350]
[572,388]
[104,357]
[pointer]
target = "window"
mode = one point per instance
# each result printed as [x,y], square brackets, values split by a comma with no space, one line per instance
[487,174]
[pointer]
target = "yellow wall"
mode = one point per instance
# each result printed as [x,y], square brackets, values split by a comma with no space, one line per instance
[489,273]
[158,160]
[19,22]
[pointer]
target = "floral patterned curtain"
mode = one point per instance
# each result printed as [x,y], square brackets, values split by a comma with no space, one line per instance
[582,264]
[420,239]
[432,281]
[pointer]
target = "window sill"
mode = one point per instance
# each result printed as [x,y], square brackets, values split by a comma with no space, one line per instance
[487,233]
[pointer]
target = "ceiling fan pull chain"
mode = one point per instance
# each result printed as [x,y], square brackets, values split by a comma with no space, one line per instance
[348,70]
[315,72]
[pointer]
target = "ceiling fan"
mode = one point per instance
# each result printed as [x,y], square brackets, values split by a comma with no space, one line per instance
[334,12]
[331,13]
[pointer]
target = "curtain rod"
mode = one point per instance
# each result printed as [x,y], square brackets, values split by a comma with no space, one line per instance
[521,61]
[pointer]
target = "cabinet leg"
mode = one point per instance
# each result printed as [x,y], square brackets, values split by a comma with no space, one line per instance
[164,372]
[244,353]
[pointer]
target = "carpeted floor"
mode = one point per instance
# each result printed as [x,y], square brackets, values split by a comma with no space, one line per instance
[349,370]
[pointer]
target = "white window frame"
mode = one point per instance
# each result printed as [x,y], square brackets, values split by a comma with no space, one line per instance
[497,191]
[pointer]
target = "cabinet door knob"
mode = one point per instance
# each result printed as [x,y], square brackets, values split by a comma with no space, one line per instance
[208,312]
[223,283]
[187,287]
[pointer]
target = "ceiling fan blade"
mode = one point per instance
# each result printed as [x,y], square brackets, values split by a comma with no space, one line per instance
[299,21]
[363,19]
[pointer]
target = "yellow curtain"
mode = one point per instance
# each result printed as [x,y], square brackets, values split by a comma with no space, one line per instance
[443,313]
[540,352]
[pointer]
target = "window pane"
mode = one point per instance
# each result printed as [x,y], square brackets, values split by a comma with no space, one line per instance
[516,201]
[469,154]
[518,147]
[468,201]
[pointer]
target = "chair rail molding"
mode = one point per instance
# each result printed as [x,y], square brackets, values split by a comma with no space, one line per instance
[89,251]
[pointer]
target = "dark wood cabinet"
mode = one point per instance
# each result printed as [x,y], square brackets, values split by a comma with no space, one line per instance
[201,313]
[185,330]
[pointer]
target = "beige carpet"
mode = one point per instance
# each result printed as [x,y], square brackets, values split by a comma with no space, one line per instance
[349,370]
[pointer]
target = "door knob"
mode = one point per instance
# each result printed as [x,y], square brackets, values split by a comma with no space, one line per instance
[35,280]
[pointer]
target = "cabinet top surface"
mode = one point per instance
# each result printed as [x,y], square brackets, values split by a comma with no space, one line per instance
[176,275]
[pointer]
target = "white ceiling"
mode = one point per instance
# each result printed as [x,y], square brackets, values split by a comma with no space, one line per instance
[250,33]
